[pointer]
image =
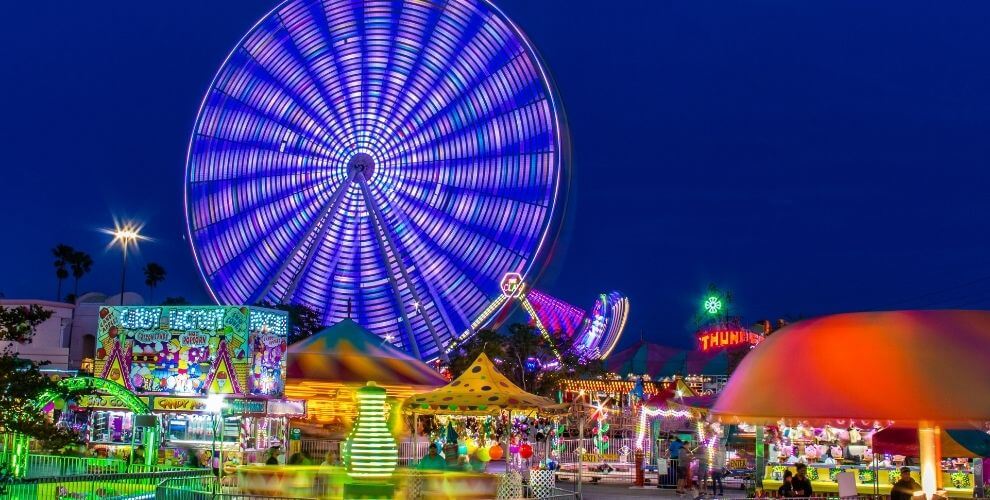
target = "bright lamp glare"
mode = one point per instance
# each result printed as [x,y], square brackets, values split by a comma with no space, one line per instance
[214,403]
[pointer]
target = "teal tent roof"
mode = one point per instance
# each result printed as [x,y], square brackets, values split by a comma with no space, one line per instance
[657,361]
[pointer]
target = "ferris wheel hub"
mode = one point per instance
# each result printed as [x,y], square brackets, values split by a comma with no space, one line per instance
[361,163]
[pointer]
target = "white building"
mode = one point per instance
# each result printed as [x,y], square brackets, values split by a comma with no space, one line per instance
[67,339]
[51,338]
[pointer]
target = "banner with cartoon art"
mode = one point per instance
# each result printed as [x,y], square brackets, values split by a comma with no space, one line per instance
[190,350]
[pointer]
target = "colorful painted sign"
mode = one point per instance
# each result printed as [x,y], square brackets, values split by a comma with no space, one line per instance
[242,406]
[101,401]
[720,337]
[193,350]
[287,407]
[179,404]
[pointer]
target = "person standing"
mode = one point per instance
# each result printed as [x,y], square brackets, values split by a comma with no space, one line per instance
[786,490]
[801,483]
[905,487]
[432,460]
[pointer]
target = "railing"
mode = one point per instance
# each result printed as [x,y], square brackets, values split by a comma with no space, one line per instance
[57,465]
[318,448]
[93,485]
[408,451]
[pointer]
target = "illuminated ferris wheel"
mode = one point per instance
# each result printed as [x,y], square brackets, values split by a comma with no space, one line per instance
[387,161]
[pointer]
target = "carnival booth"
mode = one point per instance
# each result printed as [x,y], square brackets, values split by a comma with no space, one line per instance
[924,370]
[703,370]
[327,368]
[212,375]
[481,416]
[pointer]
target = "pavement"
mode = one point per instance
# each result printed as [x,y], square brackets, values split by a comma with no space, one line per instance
[617,491]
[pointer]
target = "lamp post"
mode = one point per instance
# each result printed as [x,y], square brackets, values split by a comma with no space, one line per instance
[126,234]
[214,406]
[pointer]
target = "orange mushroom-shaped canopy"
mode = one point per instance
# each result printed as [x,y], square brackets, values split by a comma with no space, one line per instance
[902,366]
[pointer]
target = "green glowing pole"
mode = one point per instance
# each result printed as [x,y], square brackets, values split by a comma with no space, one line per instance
[150,439]
[18,446]
[761,462]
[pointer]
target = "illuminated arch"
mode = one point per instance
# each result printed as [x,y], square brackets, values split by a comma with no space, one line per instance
[81,384]
[76,384]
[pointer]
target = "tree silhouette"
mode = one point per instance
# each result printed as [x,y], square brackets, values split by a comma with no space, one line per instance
[21,380]
[81,263]
[63,254]
[154,274]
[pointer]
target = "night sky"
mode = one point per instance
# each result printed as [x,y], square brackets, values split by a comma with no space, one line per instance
[811,157]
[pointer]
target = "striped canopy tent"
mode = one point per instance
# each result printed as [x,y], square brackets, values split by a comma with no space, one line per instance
[328,366]
[480,390]
[923,369]
[657,361]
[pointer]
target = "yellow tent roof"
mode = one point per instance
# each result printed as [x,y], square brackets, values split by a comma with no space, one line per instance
[480,390]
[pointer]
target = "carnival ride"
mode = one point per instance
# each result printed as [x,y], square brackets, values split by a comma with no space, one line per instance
[383,161]
[594,332]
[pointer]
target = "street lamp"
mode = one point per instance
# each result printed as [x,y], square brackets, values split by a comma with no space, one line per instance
[125,234]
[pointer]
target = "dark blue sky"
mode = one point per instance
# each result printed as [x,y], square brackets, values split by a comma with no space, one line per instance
[813,157]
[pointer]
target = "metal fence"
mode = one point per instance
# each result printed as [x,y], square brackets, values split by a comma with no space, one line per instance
[58,465]
[409,452]
[93,485]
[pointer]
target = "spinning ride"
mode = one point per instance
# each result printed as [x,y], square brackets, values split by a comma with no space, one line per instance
[594,333]
[386,161]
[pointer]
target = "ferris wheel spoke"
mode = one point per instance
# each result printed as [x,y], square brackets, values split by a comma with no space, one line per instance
[258,165]
[487,179]
[435,260]
[488,92]
[444,265]
[261,92]
[308,75]
[332,36]
[489,213]
[323,225]
[418,21]
[446,43]
[225,205]
[386,238]
[268,223]
[517,131]
[440,226]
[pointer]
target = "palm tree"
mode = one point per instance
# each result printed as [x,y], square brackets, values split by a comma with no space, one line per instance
[81,263]
[154,274]
[63,253]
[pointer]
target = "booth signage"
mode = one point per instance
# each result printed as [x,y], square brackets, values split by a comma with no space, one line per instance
[287,407]
[192,339]
[241,406]
[721,338]
[179,404]
[193,350]
[101,401]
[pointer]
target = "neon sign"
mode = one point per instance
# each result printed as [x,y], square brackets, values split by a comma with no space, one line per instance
[722,336]
[713,305]
[512,284]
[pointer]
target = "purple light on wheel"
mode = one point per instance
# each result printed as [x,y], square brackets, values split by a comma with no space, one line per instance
[555,314]
[388,158]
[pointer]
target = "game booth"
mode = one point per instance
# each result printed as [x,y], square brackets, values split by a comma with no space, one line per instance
[213,376]
[923,410]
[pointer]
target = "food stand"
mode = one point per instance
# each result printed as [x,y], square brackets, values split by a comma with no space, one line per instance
[175,358]
[926,370]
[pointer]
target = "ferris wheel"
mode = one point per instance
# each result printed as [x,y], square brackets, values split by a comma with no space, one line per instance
[387,161]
